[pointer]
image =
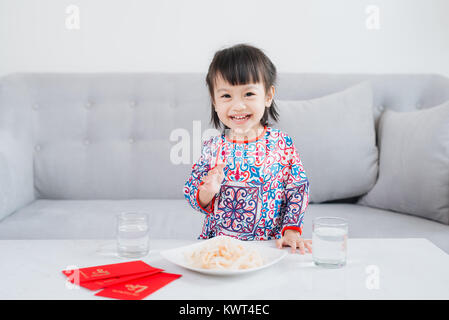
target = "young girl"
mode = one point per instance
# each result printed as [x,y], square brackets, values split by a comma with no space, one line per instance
[249,182]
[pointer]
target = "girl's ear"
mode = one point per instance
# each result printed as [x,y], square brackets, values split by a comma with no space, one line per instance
[269,96]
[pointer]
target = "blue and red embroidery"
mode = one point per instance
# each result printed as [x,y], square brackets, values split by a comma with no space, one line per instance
[237,208]
[265,189]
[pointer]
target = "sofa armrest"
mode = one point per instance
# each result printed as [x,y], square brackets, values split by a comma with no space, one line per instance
[16,157]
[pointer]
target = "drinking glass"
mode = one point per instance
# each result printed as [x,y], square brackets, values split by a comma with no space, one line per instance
[133,234]
[329,238]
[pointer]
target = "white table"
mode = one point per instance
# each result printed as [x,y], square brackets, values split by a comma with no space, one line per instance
[376,269]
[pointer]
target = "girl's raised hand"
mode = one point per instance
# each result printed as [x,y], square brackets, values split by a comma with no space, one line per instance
[213,179]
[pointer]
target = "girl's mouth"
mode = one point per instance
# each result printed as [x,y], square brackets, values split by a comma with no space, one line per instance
[240,119]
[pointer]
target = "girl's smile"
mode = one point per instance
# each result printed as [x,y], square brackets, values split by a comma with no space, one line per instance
[240,118]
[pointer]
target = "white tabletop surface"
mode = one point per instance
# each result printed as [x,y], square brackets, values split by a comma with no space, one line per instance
[376,269]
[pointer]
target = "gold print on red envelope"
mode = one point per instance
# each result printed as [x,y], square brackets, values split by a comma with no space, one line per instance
[138,288]
[99,272]
[135,288]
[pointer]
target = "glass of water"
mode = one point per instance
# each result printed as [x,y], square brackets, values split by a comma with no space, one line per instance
[329,238]
[133,236]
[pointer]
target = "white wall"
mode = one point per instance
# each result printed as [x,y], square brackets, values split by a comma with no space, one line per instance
[181,36]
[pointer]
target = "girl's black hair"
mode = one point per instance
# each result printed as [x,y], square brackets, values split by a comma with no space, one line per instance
[242,64]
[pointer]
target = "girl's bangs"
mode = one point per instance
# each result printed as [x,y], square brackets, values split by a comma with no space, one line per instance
[238,69]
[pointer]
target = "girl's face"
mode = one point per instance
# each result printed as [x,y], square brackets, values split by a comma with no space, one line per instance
[241,107]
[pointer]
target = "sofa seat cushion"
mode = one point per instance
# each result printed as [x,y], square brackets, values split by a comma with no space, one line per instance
[90,219]
[96,219]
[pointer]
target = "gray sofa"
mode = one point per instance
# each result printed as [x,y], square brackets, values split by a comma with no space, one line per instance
[76,149]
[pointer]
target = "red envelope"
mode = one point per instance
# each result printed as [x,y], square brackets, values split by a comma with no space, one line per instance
[107,271]
[99,284]
[138,289]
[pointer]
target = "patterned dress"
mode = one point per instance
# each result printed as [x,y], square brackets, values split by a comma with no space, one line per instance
[265,190]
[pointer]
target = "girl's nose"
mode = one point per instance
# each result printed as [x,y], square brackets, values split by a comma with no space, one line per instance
[239,105]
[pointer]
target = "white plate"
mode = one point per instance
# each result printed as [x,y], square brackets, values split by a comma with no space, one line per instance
[269,256]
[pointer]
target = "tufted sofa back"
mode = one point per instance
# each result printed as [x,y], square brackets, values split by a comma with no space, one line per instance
[136,135]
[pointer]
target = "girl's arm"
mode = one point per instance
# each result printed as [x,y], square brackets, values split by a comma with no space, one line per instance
[296,194]
[201,202]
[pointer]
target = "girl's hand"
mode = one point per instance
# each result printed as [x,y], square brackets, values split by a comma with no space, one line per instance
[213,179]
[293,239]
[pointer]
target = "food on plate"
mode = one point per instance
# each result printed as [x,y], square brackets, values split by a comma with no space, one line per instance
[224,253]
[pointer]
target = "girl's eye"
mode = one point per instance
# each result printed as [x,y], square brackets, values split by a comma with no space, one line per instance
[250,94]
[226,96]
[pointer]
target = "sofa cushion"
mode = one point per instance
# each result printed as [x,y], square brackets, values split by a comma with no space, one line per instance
[95,219]
[336,139]
[414,164]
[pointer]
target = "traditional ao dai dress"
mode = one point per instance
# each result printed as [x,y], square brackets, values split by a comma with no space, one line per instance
[265,190]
